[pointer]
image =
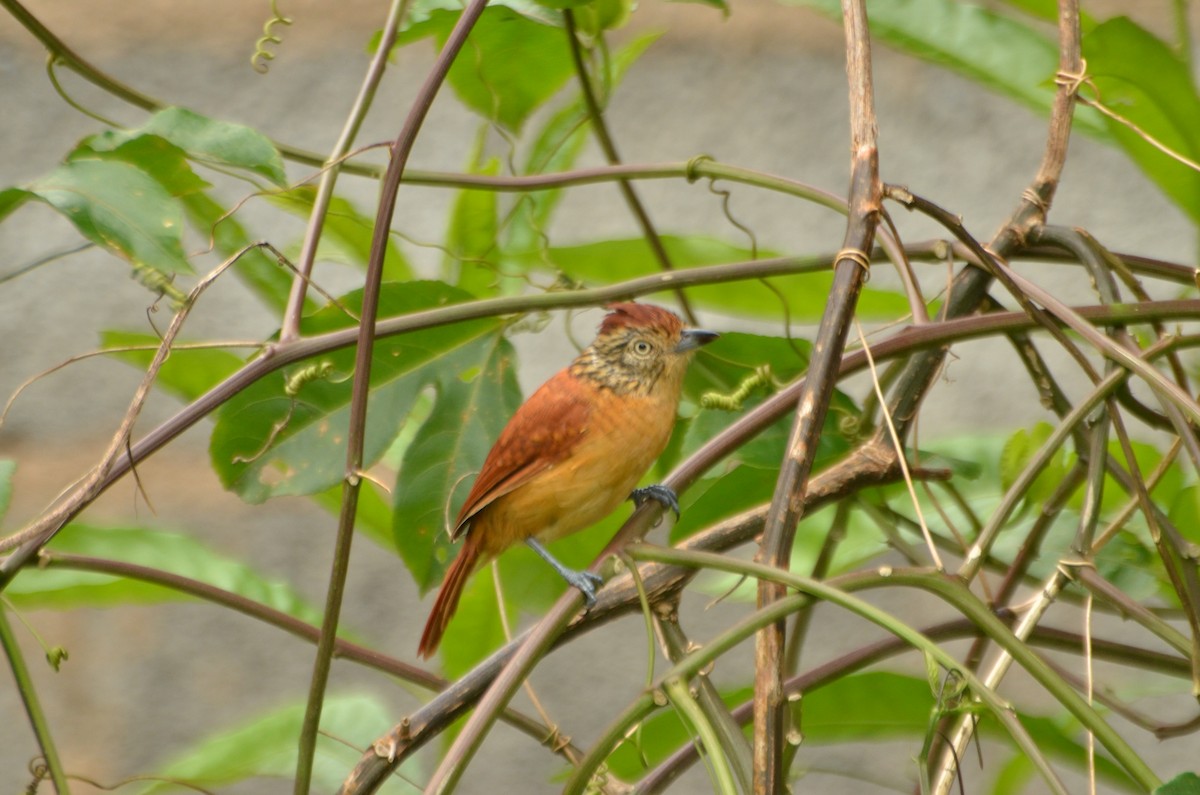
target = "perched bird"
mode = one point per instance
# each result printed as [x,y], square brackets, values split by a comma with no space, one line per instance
[575,450]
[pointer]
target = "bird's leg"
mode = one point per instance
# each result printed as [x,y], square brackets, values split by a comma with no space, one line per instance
[662,494]
[585,581]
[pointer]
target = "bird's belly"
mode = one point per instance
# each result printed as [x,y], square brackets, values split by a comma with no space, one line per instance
[578,492]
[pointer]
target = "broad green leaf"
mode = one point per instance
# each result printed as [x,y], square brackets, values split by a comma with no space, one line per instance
[1020,450]
[748,477]
[265,747]
[596,16]
[1141,78]
[1003,53]
[7,468]
[11,199]
[187,373]
[63,589]
[1183,784]
[1184,513]
[267,443]
[510,65]
[477,392]
[557,146]
[120,207]
[470,260]
[805,294]
[158,157]
[266,278]
[219,143]
[346,231]
[1014,776]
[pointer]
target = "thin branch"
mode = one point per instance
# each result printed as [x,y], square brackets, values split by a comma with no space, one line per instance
[343,649]
[958,596]
[770,709]
[290,329]
[853,661]
[609,148]
[33,706]
[356,431]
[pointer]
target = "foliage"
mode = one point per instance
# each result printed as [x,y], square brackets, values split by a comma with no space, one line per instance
[1074,512]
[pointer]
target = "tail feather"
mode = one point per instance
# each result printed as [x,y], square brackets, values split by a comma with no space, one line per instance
[447,598]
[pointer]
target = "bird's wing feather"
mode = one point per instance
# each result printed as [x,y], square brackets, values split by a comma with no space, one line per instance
[542,433]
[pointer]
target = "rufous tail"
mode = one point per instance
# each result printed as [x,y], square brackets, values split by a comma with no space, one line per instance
[447,598]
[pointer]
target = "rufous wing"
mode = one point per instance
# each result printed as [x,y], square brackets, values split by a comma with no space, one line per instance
[542,433]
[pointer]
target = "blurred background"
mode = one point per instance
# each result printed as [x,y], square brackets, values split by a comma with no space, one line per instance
[763,88]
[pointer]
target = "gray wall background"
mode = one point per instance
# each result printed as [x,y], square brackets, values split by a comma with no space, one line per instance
[763,88]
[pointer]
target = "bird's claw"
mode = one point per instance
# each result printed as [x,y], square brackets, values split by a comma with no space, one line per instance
[664,495]
[586,582]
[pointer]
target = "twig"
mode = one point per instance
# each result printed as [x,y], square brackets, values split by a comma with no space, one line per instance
[91,486]
[290,328]
[343,649]
[356,431]
[609,148]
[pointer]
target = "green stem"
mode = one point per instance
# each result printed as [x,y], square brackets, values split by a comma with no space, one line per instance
[1020,487]
[33,707]
[677,690]
[955,593]
[726,732]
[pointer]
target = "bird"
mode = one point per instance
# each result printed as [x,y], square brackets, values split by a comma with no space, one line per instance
[575,450]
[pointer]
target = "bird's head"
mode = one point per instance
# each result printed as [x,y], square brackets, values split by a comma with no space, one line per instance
[641,348]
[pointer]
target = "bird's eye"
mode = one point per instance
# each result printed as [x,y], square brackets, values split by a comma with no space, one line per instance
[641,348]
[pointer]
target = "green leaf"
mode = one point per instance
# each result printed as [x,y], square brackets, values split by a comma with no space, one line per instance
[557,146]
[1141,78]
[1019,450]
[267,444]
[63,589]
[158,157]
[121,208]
[11,199]
[187,373]
[748,476]
[346,232]
[804,295]
[1003,53]
[511,64]
[7,468]
[265,747]
[219,143]
[1184,513]
[477,392]
[1183,784]
[471,239]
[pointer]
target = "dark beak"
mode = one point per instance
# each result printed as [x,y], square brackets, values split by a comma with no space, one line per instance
[693,338]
